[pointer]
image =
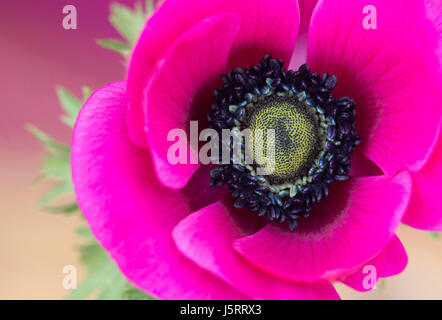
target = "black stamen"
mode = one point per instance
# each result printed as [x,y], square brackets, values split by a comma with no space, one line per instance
[287,202]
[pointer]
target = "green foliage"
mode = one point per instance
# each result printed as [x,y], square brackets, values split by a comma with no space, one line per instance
[104,278]
[435,235]
[132,293]
[56,163]
[55,167]
[129,23]
[70,104]
[115,45]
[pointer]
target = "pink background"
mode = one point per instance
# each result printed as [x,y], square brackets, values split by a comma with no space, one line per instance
[36,54]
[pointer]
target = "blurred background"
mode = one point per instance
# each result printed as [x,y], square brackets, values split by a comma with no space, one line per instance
[36,55]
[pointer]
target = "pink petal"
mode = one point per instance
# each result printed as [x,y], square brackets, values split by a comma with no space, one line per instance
[434,13]
[345,230]
[181,89]
[206,238]
[265,28]
[362,167]
[392,73]
[129,212]
[299,56]
[389,262]
[425,209]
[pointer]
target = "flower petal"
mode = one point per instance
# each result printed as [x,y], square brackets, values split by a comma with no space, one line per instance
[265,29]
[434,13]
[299,56]
[206,238]
[362,167]
[390,261]
[181,89]
[392,72]
[129,212]
[345,230]
[425,209]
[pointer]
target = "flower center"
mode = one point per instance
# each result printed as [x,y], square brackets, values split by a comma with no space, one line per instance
[297,136]
[313,136]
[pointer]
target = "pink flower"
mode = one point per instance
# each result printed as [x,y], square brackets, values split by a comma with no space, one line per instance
[177,238]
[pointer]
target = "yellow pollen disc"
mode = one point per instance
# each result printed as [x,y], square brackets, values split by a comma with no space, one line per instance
[296,137]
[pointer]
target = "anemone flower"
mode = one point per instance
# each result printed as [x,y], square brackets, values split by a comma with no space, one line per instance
[357,108]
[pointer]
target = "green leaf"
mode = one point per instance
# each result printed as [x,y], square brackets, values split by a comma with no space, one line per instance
[56,164]
[132,293]
[127,22]
[49,143]
[70,104]
[84,232]
[382,284]
[99,267]
[68,208]
[104,278]
[87,92]
[435,235]
[115,45]
[57,167]
[61,189]
[149,8]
